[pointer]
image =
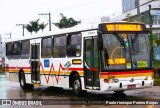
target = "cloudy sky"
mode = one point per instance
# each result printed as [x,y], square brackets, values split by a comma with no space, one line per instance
[14,12]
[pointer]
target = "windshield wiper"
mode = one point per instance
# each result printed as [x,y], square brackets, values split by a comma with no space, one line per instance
[119,39]
[135,38]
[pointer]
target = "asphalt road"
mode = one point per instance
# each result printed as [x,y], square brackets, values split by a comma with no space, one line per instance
[12,91]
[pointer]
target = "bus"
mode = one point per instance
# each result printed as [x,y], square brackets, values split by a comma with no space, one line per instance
[113,56]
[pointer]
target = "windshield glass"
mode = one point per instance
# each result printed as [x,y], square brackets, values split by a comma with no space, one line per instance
[125,51]
[140,50]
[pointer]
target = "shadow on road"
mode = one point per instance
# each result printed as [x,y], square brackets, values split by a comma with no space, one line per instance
[53,92]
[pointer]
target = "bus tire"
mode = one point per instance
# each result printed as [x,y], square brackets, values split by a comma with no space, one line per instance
[23,84]
[77,87]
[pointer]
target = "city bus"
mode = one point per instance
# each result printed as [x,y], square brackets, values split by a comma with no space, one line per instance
[112,56]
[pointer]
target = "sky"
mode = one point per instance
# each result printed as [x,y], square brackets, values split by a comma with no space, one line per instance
[14,12]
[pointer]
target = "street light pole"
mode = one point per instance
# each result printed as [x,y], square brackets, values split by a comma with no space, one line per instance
[151,32]
[49,22]
[49,14]
[23,26]
[138,11]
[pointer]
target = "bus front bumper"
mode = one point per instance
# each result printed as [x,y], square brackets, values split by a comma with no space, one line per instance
[125,85]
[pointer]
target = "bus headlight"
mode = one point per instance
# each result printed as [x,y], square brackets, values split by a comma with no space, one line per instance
[115,80]
[148,78]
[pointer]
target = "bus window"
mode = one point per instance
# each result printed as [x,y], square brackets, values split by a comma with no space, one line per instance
[25,49]
[16,50]
[46,47]
[88,51]
[140,50]
[59,48]
[9,50]
[115,51]
[95,65]
[74,45]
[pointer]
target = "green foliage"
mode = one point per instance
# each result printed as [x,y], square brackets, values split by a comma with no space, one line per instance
[29,28]
[66,22]
[42,26]
[34,26]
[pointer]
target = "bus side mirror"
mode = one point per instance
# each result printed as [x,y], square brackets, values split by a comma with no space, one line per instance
[100,41]
[100,44]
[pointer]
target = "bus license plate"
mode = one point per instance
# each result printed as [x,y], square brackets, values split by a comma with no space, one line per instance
[131,86]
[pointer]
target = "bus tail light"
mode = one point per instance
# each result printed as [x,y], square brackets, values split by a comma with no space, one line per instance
[105,80]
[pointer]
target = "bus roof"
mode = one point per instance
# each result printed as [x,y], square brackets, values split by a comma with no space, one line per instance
[78,28]
[75,29]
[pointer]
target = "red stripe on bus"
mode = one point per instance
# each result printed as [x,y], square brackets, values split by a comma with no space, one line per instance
[18,67]
[130,72]
[78,69]
[104,73]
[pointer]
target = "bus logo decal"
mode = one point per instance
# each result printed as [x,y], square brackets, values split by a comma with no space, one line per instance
[46,63]
[51,71]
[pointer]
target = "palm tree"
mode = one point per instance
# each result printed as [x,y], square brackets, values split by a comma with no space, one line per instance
[29,28]
[42,26]
[65,22]
[34,26]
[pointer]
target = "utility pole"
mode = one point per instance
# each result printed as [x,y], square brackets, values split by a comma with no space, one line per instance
[151,33]
[23,26]
[49,14]
[138,11]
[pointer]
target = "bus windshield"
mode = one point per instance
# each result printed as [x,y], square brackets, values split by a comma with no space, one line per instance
[125,51]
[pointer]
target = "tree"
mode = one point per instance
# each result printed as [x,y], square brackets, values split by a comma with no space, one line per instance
[34,26]
[42,26]
[66,22]
[29,28]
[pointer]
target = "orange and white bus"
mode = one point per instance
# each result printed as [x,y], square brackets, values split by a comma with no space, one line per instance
[104,57]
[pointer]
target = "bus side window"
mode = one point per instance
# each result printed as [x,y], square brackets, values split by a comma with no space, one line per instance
[16,50]
[88,50]
[59,48]
[46,47]
[74,45]
[9,50]
[95,54]
[25,47]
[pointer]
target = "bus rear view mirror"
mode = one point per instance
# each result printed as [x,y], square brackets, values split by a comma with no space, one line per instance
[100,41]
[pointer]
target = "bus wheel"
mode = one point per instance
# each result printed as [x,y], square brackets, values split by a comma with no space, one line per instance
[77,88]
[22,80]
[23,84]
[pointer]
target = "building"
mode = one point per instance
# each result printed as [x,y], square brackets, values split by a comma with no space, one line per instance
[105,19]
[149,15]
[2,47]
[128,5]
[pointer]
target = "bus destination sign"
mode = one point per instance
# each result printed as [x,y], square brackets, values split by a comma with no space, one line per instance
[120,27]
[123,27]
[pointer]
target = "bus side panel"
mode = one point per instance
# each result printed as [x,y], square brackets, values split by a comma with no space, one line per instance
[56,71]
[14,66]
[46,80]
[28,78]
[60,72]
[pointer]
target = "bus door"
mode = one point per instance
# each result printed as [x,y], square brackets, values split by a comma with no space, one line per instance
[35,59]
[91,63]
